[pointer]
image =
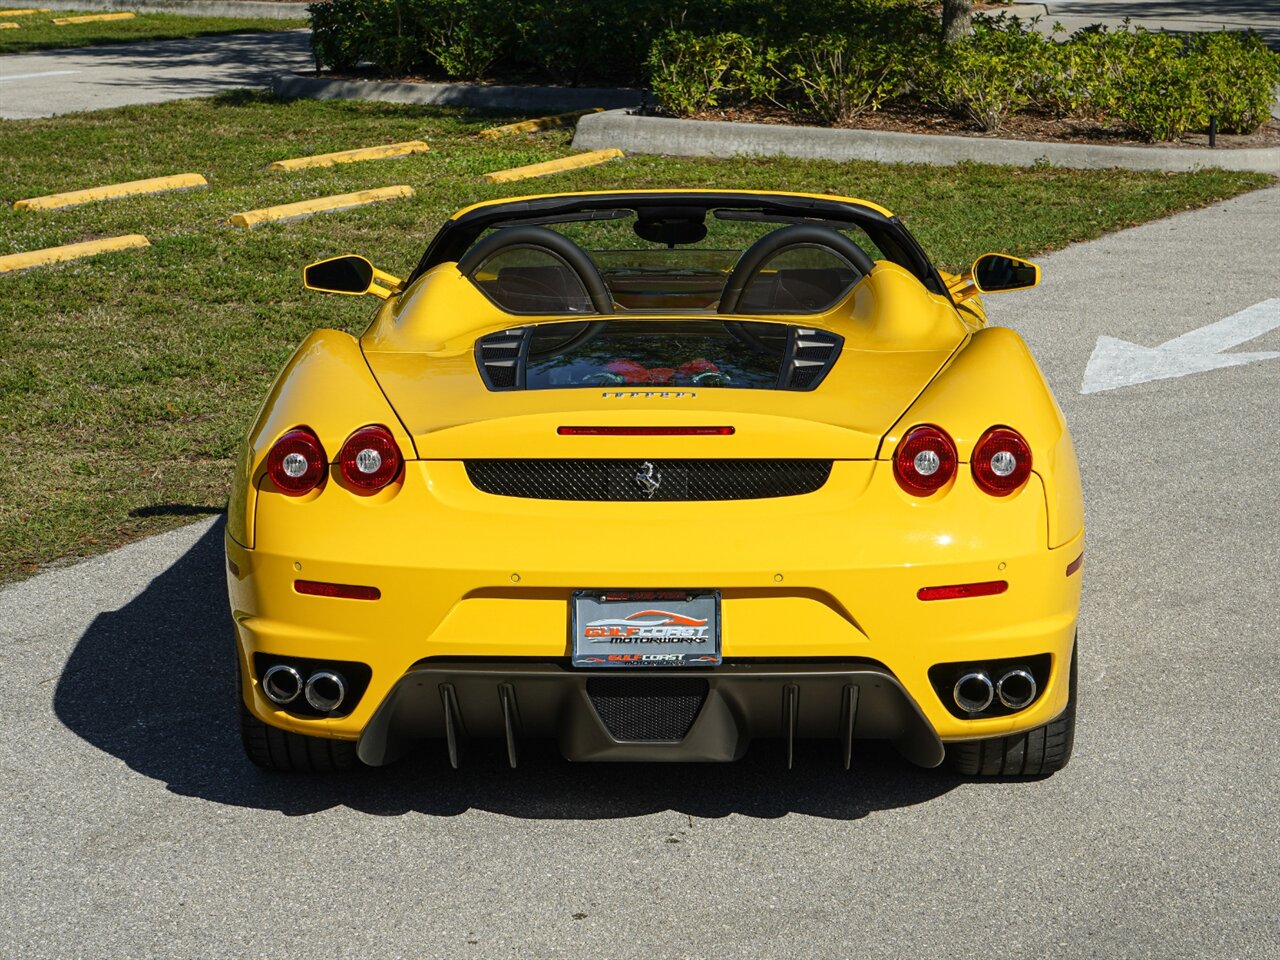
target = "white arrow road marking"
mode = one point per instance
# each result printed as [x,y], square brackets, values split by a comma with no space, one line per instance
[1119,363]
[44,73]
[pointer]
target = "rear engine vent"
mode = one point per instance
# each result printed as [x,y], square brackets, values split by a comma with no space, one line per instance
[501,358]
[648,479]
[810,354]
[647,708]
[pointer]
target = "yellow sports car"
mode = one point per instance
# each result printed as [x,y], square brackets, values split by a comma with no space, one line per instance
[657,474]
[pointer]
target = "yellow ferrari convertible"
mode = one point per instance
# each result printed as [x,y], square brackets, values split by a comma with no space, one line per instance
[657,474]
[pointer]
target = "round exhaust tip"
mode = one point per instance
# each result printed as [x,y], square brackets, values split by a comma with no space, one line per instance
[326,691]
[282,684]
[1016,689]
[974,692]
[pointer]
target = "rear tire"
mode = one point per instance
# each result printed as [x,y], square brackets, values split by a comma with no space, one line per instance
[274,749]
[1033,753]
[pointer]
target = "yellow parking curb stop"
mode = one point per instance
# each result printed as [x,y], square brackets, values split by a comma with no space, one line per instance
[390,150]
[539,123]
[112,191]
[21,13]
[305,208]
[9,26]
[555,166]
[71,251]
[94,18]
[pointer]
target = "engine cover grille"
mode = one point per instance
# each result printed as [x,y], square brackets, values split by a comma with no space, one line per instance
[647,708]
[648,479]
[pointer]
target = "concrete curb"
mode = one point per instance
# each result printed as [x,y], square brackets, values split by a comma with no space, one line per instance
[191,8]
[483,96]
[716,138]
[388,151]
[113,191]
[306,208]
[71,251]
[548,167]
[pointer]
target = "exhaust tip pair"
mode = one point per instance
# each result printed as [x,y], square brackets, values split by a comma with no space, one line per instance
[975,692]
[324,690]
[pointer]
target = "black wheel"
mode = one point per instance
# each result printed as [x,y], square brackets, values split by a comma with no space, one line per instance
[274,749]
[1035,753]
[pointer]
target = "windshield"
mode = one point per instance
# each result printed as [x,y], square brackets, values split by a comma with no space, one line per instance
[671,259]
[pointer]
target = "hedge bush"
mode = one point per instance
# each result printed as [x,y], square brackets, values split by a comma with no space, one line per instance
[829,60]
[989,75]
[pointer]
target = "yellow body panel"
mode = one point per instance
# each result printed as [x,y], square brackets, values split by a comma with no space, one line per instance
[847,589]
[829,574]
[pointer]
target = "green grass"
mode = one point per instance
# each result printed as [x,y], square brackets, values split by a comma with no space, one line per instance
[126,380]
[39,32]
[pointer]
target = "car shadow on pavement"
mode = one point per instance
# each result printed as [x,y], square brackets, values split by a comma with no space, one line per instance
[153,684]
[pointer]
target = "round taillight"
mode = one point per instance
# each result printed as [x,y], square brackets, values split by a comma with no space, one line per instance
[370,458]
[1001,461]
[296,463]
[925,460]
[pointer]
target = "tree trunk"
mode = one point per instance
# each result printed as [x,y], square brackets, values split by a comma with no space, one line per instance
[957,19]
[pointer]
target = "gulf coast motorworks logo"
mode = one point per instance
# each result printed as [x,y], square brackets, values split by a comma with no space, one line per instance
[648,626]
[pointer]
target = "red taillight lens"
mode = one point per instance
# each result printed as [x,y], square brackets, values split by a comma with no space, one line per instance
[1001,461]
[370,458]
[348,591]
[925,460]
[296,463]
[959,591]
[645,431]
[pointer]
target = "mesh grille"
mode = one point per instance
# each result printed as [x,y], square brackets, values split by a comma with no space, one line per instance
[648,479]
[647,708]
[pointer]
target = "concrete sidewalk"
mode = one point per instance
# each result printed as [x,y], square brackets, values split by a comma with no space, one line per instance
[1178,16]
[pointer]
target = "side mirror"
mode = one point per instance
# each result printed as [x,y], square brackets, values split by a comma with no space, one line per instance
[350,275]
[997,272]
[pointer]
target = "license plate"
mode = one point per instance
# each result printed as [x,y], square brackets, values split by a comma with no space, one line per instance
[645,628]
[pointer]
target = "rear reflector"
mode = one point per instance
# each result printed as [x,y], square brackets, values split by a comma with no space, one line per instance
[645,431]
[1075,565]
[317,588]
[958,591]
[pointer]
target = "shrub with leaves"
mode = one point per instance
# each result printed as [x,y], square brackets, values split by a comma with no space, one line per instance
[991,74]
[856,65]
[340,32]
[691,73]
[838,79]
[1237,74]
[1158,92]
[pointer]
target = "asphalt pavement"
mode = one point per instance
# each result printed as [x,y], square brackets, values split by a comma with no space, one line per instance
[52,82]
[135,828]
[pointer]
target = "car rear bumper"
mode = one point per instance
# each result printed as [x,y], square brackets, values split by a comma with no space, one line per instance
[831,578]
[649,715]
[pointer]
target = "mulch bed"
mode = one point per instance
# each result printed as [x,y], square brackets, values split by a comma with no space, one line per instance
[909,118]
[917,118]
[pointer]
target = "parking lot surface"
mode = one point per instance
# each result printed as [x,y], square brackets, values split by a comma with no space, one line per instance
[134,827]
[52,82]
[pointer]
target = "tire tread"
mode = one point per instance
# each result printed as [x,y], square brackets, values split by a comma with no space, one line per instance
[1033,753]
[274,749]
